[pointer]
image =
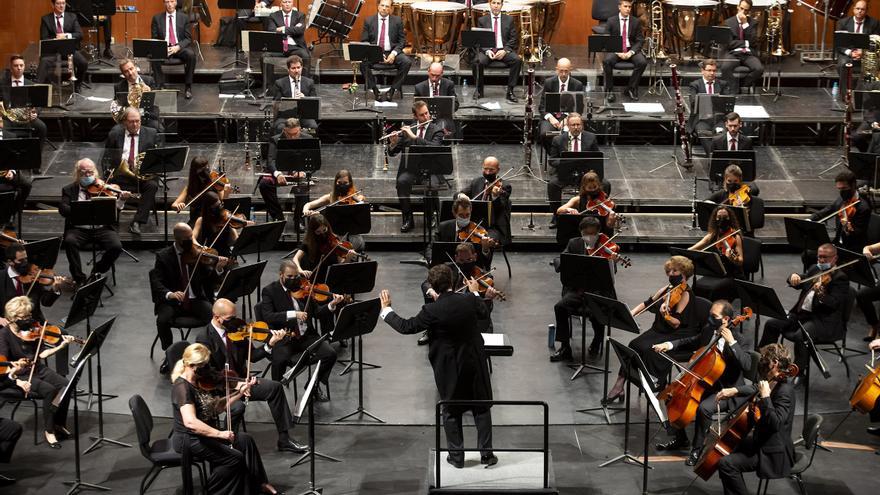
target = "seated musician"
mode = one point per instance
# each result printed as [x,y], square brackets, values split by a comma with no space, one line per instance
[132,80]
[173,27]
[572,301]
[18,340]
[217,227]
[673,319]
[575,139]
[733,139]
[505,50]
[386,30]
[461,228]
[743,49]
[18,183]
[861,23]
[488,187]
[851,232]
[344,192]
[102,237]
[224,351]
[269,184]
[818,308]
[629,28]
[708,84]
[27,122]
[867,296]
[561,83]
[437,85]
[769,449]
[236,464]
[17,267]
[725,238]
[317,253]
[292,23]
[422,132]
[59,24]
[198,180]
[295,85]
[10,431]
[179,287]
[127,143]
[735,191]
[593,199]
[720,396]
[282,307]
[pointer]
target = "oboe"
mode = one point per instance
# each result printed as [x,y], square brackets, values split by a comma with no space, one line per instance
[679,112]
[527,126]
[847,120]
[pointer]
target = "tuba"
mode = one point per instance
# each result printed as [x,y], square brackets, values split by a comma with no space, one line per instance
[24,115]
[774,29]
[656,46]
[870,62]
[133,170]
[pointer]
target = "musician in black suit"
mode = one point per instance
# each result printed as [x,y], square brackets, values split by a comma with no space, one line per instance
[630,29]
[17,265]
[295,85]
[422,132]
[461,224]
[61,25]
[733,139]
[14,181]
[769,450]
[280,309]
[224,351]
[743,49]
[437,85]
[561,83]
[859,22]
[179,41]
[457,356]
[103,237]
[269,184]
[504,51]
[393,39]
[851,235]
[291,23]
[34,128]
[707,84]
[130,79]
[499,194]
[127,142]
[574,139]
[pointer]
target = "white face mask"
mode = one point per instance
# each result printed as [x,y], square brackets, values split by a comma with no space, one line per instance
[462,222]
[590,239]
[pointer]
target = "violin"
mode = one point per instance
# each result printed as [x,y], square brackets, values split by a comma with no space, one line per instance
[475,233]
[100,188]
[210,380]
[603,206]
[740,197]
[9,237]
[50,336]
[672,298]
[204,255]
[6,365]
[727,244]
[609,250]
[219,182]
[333,244]
[237,220]
[45,277]
[257,331]
[485,279]
[846,213]
[316,292]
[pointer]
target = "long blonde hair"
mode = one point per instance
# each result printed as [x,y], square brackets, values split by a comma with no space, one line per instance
[195,355]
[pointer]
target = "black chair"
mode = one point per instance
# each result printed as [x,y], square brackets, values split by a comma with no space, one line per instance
[601,11]
[803,458]
[181,323]
[831,345]
[873,232]
[16,397]
[160,453]
[175,352]
[752,259]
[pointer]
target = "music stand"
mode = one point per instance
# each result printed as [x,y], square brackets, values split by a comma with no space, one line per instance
[265,42]
[428,161]
[713,107]
[44,253]
[572,165]
[859,272]
[358,54]
[481,211]
[472,40]
[349,219]
[706,263]
[20,154]
[61,48]
[864,165]
[33,95]
[848,40]
[705,208]
[441,252]
[356,320]
[353,278]
[311,454]
[714,35]
[152,50]
[305,108]
[721,159]
[441,107]
[241,282]
[240,204]
[805,234]
[566,102]
[258,238]
[161,161]
[763,301]
[238,5]
[612,314]
[97,212]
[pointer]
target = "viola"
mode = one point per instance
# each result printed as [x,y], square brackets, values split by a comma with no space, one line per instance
[45,277]
[219,182]
[333,244]
[864,397]
[672,298]
[100,188]
[740,197]
[6,365]
[609,250]
[475,233]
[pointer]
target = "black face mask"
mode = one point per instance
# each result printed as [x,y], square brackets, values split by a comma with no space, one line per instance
[592,194]
[21,267]
[233,324]
[467,267]
[723,224]
[714,321]
[205,173]
[186,244]
[676,279]
[25,324]
[291,283]
[342,189]
[733,187]
[490,177]
[846,194]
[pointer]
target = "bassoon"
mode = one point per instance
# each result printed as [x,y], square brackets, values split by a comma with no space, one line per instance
[679,112]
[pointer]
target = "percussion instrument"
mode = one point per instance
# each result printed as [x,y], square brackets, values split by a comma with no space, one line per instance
[546,15]
[837,9]
[436,26]
[403,9]
[685,16]
[335,17]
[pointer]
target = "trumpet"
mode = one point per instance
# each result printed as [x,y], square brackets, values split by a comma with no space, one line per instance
[395,133]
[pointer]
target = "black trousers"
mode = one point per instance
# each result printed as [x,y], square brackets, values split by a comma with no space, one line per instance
[272,393]
[188,56]
[790,329]
[866,298]
[737,59]
[573,302]
[46,69]
[401,62]
[234,471]
[269,192]
[510,59]
[37,128]
[166,312]
[146,188]
[731,467]
[21,185]
[45,385]
[10,432]
[104,238]
[405,181]
[286,354]
[455,436]
[639,64]
[545,129]
[707,409]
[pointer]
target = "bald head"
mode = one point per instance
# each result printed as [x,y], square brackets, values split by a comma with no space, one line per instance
[223,309]
[491,165]
[563,68]
[182,231]
[435,72]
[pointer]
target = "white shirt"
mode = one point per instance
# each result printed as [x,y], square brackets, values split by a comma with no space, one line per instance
[173,18]
[562,84]
[19,80]
[624,21]
[729,137]
[126,146]
[291,315]
[286,20]
[714,87]
[807,305]
[386,42]
[14,276]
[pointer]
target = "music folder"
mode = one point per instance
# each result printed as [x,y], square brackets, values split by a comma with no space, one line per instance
[150,49]
[605,43]
[33,95]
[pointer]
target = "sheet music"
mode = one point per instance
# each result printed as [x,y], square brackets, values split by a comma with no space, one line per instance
[493,339]
[643,107]
[751,111]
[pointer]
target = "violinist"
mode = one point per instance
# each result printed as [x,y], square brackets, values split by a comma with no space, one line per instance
[736,360]
[735,191]
[10,431]
[574,139]
[282,307]
[818,308]
[769,449]
[128,143]
[236,470]
[867,296]
[674,318]
[19,340]
[851,222]
[461,228]
[592,199]
[318,249]
[344,193]
[724,239]
[291,129]
[573,301]
[180,287]
[15,283]
[224,351]
[212,228]
[489,187]
[103,237]
[199,178]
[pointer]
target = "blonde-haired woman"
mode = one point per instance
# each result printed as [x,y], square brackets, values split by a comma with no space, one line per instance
[18,340]
[236,470]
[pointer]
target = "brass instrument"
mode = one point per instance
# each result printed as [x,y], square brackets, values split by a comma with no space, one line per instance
[774,29]
[133,170]
[871,60]
[531,44]
[70,68]
[655,47]
[24,115]
[135,93]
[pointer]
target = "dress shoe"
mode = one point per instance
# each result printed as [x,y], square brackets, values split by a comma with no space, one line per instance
[611,98]
[424,339]
[53,445]
[135,228]
[874,430]
[290,445]
[563,354]
[188,93]
[377,95]
[632,94]
[489,460]
[6,480]
[321,395]
[164,368]
[693,457]
[389,95]
[552,223]
[511,97]
[677,443]
[457,462]
[407,224]
[613,397]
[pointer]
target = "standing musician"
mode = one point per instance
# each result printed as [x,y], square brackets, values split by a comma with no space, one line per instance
[721,395]
[102,237]
[19,339]
[461,228]
[437,85]
[592,198]
[269,184]
[172,26]
[180,287]
[319,250]
[131,78]
[733,139]
[818,308]
[723,237]
[457,356]
[743,49]
[33,125]
[217,227]
[573,301]
[236,465]
[561,83]
[861,23]
[386,30]
[489,187]
[292,23]
[15,284]
[59,24]
[504,50]
[769,449]
[282,306]
[868,295]
[295,85]
[422,132]
[224,351]
[852,217]
[674,318]
[708,84]
[127,143]
[575,139]
[198,180]
[628,27]
[10,431]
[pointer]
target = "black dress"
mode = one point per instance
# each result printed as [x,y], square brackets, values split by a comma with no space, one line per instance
[662,331]
[237,470]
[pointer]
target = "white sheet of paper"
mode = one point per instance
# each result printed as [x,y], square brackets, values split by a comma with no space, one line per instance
[223,95]
[493,339]
[751,111]
[634,107]
[385,104]
[492,105]
[98,99]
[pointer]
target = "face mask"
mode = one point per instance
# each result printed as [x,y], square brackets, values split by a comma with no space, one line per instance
[233,324]
[723,224]
[25,324]
[733,187]
[290,283]
[715,321]
[589,239]
[342,189]
[462,222]
[21,268]
[824,266]
[467,267]
[205,173]
[86,181]
[186,244]
[592,194]
[676,279]
[846,193]
[490,177]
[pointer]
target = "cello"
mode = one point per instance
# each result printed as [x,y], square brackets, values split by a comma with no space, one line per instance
[864,397]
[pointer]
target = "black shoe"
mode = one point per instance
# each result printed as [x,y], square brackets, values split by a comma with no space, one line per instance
[423,340]
[164,368]
[552,222]
[874,430]
[595,350]
[321,396]
[477,95]
[407,224]
[611,398]
[457,462]
[290,445]
[6,480]
[52,445]
[510,96]
[62,433]
[489,460]
[677,443]
[611,98]
[693,457]
[108,53]
[135,228]
[563,354]
[633,94]
[389,95]
[188,93]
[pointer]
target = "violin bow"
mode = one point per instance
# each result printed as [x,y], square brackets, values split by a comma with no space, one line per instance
[719,241]
[319,210]
[228,406]
[203,191]
[492,184]
[463,276]
[604,243]
[250,345]
[831,270]
[36,355]
[476,226]
[201,252]
[666,291]
[33,282]
[827,217]
[597,205]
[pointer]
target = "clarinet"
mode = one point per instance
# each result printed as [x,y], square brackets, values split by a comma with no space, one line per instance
[528,136]
[847,119]
[679,112]
[383,126]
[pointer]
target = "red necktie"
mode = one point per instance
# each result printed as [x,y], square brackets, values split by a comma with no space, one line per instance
[286,25]
[576,146]
[495,29]
[858,26]
[422,133]
[382,33]
[562,88]
[172,39]
[58,28]
[741,34]
[18,291]
[131,150]
[711,91]
[624,36]
[733,144]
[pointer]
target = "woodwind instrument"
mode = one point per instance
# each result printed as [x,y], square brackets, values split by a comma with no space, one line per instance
[679,112]
[847,119]
[528,131]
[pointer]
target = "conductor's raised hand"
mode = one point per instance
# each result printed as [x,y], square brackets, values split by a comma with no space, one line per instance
[385,298]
